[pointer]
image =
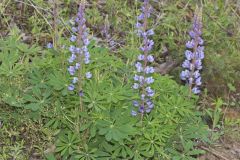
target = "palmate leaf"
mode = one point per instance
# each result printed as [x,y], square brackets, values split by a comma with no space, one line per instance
[197,131]
[94,101]
[176,106]
[103,62]
[87,154]
[29,50]
[150,143]
[93,98]
[67,144]
[122,151]
[11,70]
[58,80]
[50,157]
[30,98]
[33,106]
[114,94]
[38,78]
[37,99]
[118,128]
[12,96]
[10,67]
[137,155]
[195,152]
[11,42]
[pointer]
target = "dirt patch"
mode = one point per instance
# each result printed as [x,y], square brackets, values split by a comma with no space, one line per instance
[226,149]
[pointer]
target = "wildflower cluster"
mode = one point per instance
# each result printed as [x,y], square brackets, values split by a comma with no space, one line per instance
[143,78]
[194,56]
[79,56]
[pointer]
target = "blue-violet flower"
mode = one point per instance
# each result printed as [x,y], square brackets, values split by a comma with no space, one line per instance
[143,77]
[194,56]
[79,51]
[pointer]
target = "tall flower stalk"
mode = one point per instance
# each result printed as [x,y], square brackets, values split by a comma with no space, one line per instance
[79,57]
[194,56]
[143,78]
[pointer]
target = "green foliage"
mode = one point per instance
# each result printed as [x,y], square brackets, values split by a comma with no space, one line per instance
[34,80]
[187,153]
[215,114]
[231,128]
[115,126]
[37,99]
[12,60]
[108,130]
[13,152]
[67,144]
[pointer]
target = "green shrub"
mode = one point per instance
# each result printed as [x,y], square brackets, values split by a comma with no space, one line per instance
[108,131]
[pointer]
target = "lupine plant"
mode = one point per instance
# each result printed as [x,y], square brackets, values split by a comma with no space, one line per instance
[91,119]
[194,56]
[143,78]
[79,54]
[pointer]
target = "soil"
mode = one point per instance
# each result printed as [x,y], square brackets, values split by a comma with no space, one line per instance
[225,150]
[228,146]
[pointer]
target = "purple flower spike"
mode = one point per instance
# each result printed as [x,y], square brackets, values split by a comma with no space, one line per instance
[79,50]
[194,56]
[144,78]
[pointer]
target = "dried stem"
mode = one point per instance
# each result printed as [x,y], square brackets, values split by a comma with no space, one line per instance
[55,25]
